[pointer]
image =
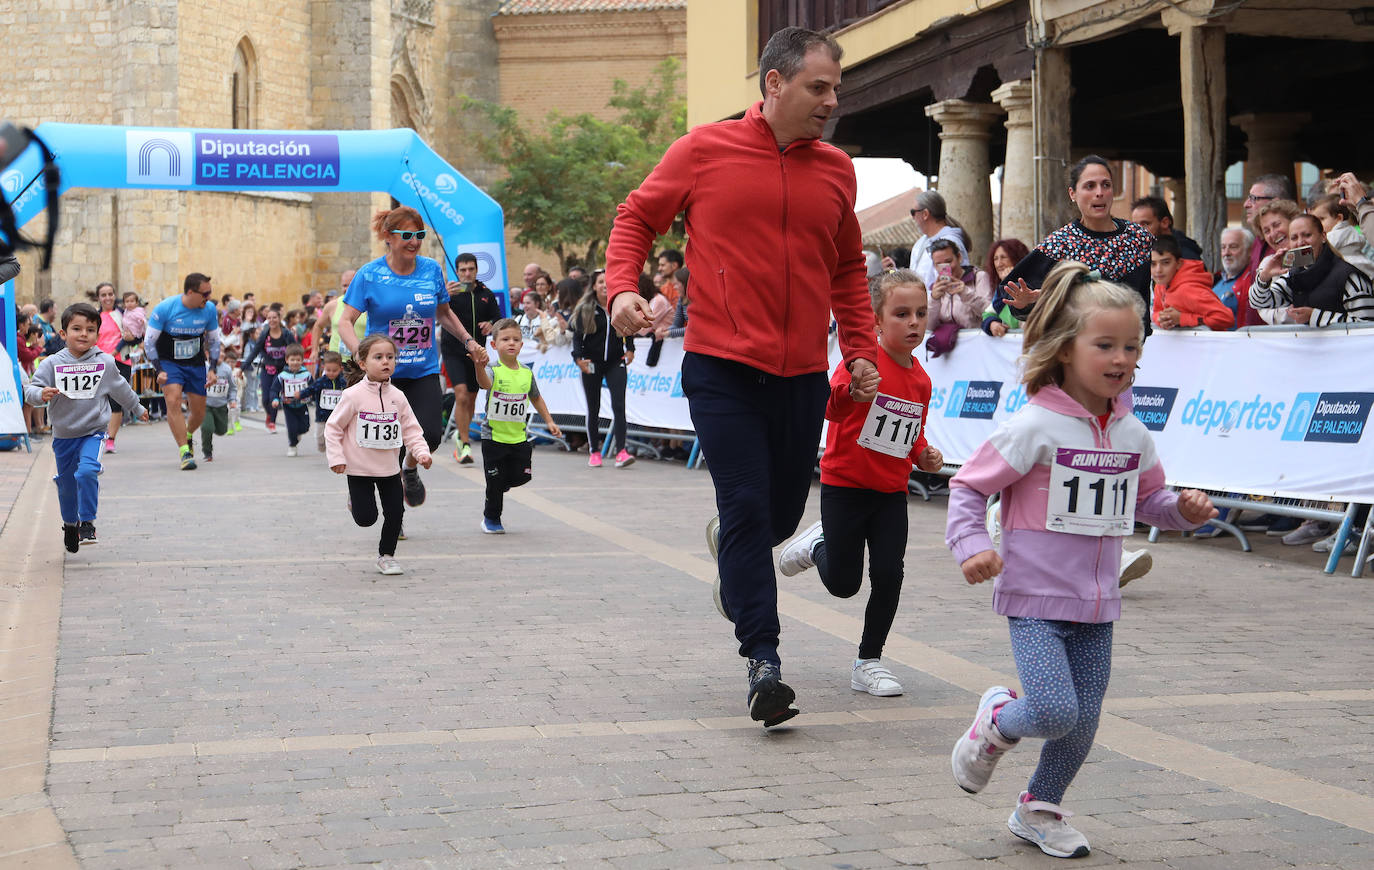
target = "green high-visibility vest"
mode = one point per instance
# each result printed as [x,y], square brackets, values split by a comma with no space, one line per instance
[508,403]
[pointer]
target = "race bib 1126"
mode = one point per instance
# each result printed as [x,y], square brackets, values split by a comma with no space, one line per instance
[78,380]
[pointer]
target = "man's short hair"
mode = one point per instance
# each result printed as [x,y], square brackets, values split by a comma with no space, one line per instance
[1247,237]
[294,350]
[46,305]
[1167,245]
[787,49]
[80,309]
[464,257]
[673,255]
[305,298]
[1155,204]
[193,282]
[1281,186]
[504,323]
[330,356]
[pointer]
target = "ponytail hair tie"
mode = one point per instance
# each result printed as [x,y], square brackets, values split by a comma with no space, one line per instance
[1092,275]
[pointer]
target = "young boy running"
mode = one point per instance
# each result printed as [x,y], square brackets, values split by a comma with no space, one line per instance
[288,394]
[506,451]
[326,390]
[218,397]
[77,384]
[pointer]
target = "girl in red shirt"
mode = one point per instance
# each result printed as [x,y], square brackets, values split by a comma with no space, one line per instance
[869,451]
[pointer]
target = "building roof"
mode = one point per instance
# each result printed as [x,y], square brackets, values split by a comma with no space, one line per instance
[889,224]
[533,7]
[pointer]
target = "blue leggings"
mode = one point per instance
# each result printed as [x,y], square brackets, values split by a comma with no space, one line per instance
[77,478]
[1064,669]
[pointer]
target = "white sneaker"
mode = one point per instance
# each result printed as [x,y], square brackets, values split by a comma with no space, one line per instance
[870,676]
[1309,532]
[291,451]
[978,749]
[993,521]
[1325,544]
[796,555]
[1043,824]
[713,545]
[388,565]
[1135,563]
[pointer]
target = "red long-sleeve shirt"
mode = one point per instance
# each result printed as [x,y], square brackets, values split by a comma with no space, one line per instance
[846,462]
[1190,292]
[774,245]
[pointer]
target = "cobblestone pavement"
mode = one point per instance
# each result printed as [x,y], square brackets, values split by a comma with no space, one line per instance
[236,686]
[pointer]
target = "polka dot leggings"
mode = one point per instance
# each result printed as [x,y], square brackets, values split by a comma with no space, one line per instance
[1064,669]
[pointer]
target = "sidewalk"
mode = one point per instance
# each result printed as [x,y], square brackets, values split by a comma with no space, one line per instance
[236,686]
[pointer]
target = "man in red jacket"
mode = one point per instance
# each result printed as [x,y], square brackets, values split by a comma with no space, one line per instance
[774,249]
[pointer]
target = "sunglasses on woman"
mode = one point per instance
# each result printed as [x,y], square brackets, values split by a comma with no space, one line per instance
[407,235]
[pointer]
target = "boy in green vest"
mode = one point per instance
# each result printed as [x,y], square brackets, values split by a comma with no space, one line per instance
[506,449]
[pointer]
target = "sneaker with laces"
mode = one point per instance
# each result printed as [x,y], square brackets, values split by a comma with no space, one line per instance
[87,533]
[413,488]
[1325,544]
[465,454]
[594,461]
[713,546]
[1307,533]
[492,527]
[1043,824]
[188,460]
[870,676]
[1134,564]
[796,554]
[623,458]
[71,537]
[388,565]
[978,749]
[292,451]
[770,699]
[110,446]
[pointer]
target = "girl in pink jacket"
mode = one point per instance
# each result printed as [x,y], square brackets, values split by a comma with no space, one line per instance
[363,439]
[1075,468]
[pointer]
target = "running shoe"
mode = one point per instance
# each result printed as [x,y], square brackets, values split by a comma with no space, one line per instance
[1325,544]
[110,446]
[978,749]
[88,532]
[271,427]
[209,457]
[713,545]
[188,460]
[1043,824]
[413,487]
[492,527]
[770,699]
[291,450]
[71,537]
[594,461]
[465,454]
[1135,564]
[1309,532]
[623,458]
[870,676]
[387,565]
[796,555]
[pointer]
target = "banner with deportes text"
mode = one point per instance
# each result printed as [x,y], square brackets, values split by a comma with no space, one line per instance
[1264,413]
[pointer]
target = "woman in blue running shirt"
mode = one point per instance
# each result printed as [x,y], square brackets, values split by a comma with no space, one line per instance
[405,296]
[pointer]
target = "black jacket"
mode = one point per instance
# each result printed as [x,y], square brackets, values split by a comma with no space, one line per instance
[479,305]
[603,347]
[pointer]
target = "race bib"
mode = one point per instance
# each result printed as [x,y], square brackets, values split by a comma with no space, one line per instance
[78,380]
[379,430]
[329,399]
[412,333]
[292,389]
[1092,492]
[185,348]
[277,352]
[219,390]
[508,407]
[893,425]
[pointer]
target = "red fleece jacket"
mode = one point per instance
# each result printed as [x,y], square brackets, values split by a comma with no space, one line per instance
[1191,293]
[774,245]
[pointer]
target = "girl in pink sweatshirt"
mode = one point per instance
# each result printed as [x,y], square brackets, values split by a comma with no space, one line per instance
[363,439]
[1075,469]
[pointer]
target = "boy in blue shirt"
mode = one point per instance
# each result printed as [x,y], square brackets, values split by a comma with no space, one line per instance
[326,390]
[289,394]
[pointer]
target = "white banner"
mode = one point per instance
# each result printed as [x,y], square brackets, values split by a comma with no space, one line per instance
[1265,413]
[11,397]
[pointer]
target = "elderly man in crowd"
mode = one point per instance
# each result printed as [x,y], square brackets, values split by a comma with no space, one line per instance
[1235,247]
[1263,190]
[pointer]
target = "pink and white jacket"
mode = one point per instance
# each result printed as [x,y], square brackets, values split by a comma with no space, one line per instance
[1049,574]
[340,432]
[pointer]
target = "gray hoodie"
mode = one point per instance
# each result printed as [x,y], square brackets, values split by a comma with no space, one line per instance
[77,418]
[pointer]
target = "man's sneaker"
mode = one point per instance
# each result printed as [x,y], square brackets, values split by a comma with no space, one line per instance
[110,446]
[209,457]
[1043,824]
[413,487]
[1310,531]
[88,532]
[993,521]
[1282,526]
[1325,544]
[465,454]
[978,749]
[1135,564]
[796,555]
[594,461]
[292,451]
[188,460]
[870,676]
[713,546]
[387,565]
[623,458]
[492,527]
[71,537]
[770,699]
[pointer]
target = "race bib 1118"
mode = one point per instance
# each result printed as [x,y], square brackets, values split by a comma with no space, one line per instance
[892,426]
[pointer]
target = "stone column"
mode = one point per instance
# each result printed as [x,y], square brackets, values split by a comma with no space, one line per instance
[964,131]
[1018,172]
[1053,90]
[1270,145]
[1202,60]
[1178,189]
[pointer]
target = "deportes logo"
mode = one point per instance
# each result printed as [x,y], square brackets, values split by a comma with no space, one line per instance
[433,195]
[488,256]
[155,157]
[1336,418]
[976,400]
[12,182]
[1153,405]
[445,184]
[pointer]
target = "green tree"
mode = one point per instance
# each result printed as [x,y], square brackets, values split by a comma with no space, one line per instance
[565,177]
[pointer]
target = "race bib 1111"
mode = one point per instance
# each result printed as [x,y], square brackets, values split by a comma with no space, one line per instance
[1092,492]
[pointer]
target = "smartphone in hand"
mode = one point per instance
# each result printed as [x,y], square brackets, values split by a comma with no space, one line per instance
[1299,258]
